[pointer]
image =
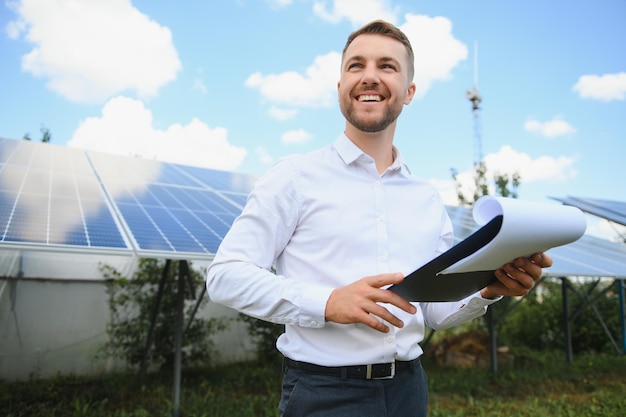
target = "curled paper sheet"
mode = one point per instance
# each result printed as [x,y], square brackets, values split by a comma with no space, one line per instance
[510,228]
[527,227]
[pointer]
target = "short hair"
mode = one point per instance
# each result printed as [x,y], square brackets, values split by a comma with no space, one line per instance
[381,27]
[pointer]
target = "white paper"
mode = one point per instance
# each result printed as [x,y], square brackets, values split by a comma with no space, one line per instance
[527,228]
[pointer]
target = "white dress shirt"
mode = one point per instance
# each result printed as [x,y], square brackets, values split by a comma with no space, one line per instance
[324,220]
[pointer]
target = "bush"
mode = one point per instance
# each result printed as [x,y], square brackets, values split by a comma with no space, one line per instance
[538,323]
[132,302]
[264,335]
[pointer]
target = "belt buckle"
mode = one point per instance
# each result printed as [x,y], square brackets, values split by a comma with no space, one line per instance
[392,372]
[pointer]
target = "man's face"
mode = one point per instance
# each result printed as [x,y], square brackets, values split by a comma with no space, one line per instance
[374,82]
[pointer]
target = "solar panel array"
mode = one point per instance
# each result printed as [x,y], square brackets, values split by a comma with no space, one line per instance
[614,211]
[51,197]
[61,198]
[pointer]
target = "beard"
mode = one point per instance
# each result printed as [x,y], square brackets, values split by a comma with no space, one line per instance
[368,123]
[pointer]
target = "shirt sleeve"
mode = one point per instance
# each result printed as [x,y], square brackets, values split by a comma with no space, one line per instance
[241,274]
[443,315]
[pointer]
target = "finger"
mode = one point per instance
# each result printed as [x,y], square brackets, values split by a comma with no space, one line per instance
[386,315]
[383,280]
[510,286]
[528,266]
[519,276]
[387,296]
[542,260]
[374,323]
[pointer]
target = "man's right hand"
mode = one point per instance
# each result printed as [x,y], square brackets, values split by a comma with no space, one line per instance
[358,302]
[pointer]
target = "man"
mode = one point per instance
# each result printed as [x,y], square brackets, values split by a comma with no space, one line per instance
[340,225]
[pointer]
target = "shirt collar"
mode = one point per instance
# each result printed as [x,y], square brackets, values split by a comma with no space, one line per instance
[349,152]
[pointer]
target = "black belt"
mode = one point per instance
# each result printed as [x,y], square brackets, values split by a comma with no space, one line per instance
[373,371]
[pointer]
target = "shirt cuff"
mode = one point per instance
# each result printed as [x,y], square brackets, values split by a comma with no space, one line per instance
[477,300]
[312,303]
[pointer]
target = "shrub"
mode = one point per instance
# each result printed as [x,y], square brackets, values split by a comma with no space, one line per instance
[264,335]
[132,302]
[538,322]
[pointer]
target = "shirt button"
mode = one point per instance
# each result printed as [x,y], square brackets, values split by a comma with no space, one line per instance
[381,218]
[390,339]
[313,323]
[377,184]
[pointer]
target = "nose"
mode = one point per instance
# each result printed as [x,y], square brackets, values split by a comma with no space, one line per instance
[370,75]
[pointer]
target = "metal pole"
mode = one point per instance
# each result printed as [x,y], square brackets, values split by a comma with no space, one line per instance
[195,309]
[143,365]
[493,348]
[622,313]
[178,337]
[566,323]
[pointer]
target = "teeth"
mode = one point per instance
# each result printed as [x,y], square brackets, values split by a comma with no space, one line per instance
[370,98]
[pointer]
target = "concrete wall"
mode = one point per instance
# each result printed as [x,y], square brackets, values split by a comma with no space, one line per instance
[56,326]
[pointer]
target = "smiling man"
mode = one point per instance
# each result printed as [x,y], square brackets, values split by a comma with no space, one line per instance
[340,225]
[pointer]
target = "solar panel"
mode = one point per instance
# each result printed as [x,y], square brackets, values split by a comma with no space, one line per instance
[51,198]
[171,210]
[614,211]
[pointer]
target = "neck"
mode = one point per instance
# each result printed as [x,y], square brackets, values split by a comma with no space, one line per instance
[378,145]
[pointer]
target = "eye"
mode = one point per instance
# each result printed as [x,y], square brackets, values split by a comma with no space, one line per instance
[388,67]
[355,65]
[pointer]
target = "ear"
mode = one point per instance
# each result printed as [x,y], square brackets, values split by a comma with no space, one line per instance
[410,93]
[338,88]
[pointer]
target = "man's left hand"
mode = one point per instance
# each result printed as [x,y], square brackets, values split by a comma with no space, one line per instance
[518,277]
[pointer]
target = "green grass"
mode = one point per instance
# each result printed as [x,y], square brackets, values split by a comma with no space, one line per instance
[538,384]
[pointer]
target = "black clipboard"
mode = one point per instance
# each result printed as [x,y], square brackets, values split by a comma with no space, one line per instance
[428,283]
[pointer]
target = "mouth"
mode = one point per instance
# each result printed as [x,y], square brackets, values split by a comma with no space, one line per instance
[369,98]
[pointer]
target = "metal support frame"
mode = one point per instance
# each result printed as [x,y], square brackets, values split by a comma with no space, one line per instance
[184,279]
[493,342]
[588,300]
[183,274]
[492,323]
[155,311]
[622,313]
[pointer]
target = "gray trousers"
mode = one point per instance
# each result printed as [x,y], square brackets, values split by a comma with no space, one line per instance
[306,394]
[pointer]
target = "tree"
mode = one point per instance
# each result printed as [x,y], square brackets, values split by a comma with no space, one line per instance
[504,185]
[46,136]
[147,301]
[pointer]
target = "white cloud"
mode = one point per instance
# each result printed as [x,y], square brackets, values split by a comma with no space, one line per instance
[544,168]
[91,50]
[295,137]
[263,155]
[279,4]
[366,11]
[281,114]
[508,161]
[126,128]
[550,129]
[15,27]
[437,52]
[316,88]
[198,84]
[602,87]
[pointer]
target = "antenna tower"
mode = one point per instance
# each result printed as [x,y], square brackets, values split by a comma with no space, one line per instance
[474,96]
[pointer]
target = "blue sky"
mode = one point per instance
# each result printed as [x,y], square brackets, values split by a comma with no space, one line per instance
[235,85]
